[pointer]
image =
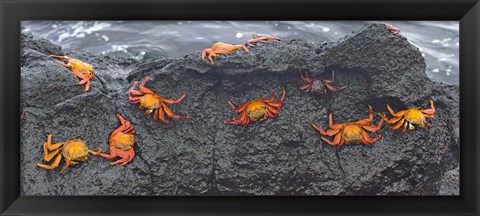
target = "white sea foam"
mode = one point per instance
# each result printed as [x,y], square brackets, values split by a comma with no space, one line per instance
[239,35]
[122,48]
[80,31]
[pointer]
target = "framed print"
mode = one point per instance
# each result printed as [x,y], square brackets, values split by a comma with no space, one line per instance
[158,107]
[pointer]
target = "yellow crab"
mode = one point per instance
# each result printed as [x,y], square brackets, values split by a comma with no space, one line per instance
[220,48]
[74,151]
[81,70]
[409,117]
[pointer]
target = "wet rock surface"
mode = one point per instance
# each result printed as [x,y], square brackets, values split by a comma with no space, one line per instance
[281,156]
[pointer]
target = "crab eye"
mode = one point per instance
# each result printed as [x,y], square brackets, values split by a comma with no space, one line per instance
[410,126]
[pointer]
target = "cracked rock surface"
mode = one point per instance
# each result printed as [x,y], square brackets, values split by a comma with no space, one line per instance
[281,156]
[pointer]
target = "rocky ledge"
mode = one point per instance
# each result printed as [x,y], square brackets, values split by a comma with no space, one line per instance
[281,156]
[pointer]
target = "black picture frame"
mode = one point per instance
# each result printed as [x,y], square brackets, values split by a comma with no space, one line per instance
[13,11]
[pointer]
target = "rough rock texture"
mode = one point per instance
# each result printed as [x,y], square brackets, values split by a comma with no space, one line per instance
[281,156]
[450,184]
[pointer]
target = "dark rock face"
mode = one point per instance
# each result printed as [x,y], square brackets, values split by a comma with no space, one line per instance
[281,156]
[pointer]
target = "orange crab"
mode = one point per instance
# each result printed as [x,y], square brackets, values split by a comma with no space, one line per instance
[256,109]
[121,143]
[260,38]
[409,118]
[82,70]
[351,132]
[220,48]
[151,101]
[74,151]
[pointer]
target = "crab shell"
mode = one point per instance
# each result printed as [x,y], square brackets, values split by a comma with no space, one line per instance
[122,140]
[75,150]
[150,101]
[352,133]
[256,109]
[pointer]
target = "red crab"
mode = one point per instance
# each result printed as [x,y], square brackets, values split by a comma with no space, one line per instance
[121,143]
[393,29]
[256,109]
[319,86]
[152,102]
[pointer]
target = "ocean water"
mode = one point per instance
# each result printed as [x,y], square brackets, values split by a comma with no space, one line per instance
[437,40]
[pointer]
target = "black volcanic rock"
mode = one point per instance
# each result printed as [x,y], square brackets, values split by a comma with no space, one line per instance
[281,156]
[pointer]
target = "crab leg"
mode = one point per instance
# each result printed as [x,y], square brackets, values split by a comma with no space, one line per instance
[329,132]
[68,65]
[234,121]
[210,53]
[126,126]
[426,123]
[333,88]
[87,86]
[399,113]
[273,110]
[48,156]
[171,114]
[49,144]
[272,97]
[279,103]
[112,154]
[270,114]
[131,154]
[331,124]
[404,127]
[67,164]
[430,111]
[304,78]
[367,120]
[330,81]
[126,156]
[306,87]
[243,119]
[239,109]
[373,128]
[98,152]
[145,90]
[368,140]
[264,117]
[145,80]
[389,121]
[123,161]
[155,115]
[136,99]
[170,101]
[161,115]
[53,165]
[336,141]
[398,125]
